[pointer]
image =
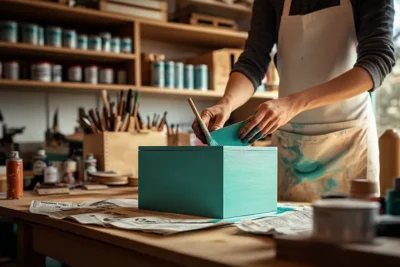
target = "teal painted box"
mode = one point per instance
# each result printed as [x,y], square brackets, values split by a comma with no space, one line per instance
[216,182]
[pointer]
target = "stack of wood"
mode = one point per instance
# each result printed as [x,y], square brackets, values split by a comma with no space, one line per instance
[149,9]
[189,15]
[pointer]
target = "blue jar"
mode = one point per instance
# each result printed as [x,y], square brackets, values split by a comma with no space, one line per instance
[189,77]
[54,36]
[201,77]
[170,74]
[158,74]
[179,73]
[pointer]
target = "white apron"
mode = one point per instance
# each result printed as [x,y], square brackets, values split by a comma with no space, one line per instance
[323,149]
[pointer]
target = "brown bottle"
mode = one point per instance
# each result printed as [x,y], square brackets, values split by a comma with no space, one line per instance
[389,150]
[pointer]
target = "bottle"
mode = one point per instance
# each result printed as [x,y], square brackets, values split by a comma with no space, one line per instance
[90,166]
[393,198]
[39,164]
[15,174]
[389,150]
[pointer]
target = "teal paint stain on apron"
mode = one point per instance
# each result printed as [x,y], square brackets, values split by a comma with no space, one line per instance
[330,184]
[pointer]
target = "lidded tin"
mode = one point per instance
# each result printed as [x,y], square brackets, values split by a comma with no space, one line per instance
[9,31]
[54,36]
[69,39]
[189,77]
[170,74]
[15,176]
[82,42]
[126,45]
[201,77]
[158,74]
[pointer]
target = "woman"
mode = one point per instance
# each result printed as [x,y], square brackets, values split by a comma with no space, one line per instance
[330,54]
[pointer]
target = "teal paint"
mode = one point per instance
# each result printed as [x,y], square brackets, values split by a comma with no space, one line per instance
[216,182]
[393,198]
[229,136]
[330,185]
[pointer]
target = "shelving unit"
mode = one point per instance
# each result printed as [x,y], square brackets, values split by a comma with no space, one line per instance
[236,10]
[48,13]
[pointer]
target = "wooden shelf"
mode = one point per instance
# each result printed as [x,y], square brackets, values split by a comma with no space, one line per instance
[235,10]
[41,10]
[55,53]
[63,87]
[191,34]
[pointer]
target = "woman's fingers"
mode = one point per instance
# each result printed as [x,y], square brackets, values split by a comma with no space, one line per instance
[253,133]
[252,122]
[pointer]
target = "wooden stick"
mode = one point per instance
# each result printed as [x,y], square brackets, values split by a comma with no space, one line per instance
[117,125]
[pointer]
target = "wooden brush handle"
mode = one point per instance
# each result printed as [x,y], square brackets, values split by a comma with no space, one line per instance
[196,113]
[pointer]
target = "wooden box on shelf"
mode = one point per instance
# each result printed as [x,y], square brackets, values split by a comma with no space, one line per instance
[220,63]
[150,9]
[118,151]
[199,19]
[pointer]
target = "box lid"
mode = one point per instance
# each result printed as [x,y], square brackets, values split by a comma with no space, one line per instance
[205,148]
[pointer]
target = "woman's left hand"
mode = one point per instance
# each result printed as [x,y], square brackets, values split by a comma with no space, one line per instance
[269,116]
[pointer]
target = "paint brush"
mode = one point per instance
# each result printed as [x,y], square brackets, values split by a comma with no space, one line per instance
[140,121]
[98,118]
[117,124]
[128,106]
[172,128]
[136,108]
[148,122]
[162,122]
[210,140]
[177,129]
[106,108]
[94,120]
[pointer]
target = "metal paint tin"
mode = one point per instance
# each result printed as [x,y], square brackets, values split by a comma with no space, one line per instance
[75,74]
[9,31]
[69,39]
[95,43]
[41,71]
[51,175]
[201,77]
[158,74]
[40,40]
[92,74]
[107,75]
[116,45]
[345,220]
[54,36]
[11,70]
[170,74]
[122,77]
[15,176]
[82,42]
[179,74]
[189,77]
[105,41]
[56,73]
[126,45]
[30,33]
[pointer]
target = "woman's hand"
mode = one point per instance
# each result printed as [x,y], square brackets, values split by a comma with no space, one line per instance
[269,116]
[214,118]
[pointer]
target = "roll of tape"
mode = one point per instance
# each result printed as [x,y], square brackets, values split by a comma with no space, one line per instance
[344,220]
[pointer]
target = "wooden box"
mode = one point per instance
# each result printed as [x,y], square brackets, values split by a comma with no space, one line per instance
[118,151]
[220,63]
[216,182]
[150,9]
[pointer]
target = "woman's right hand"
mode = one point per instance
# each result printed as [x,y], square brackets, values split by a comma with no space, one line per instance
[214,118]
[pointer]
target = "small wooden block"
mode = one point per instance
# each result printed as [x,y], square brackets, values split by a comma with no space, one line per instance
[132,181]
[95,186]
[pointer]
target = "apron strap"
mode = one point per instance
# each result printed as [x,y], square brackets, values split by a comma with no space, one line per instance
[286,8]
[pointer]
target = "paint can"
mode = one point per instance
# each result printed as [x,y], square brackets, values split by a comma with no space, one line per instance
[54,36]
[157,74]
[126,45]
[95,43]
[82,42]
[9,31]
[105,41]
[75,73]
[41,71]
[122,77]
[107,75]
[11,70]
[170,74]
[344,220]
[15,176]
[92,74]
[30,33]
[189,77]
[40,40]
[51,175]
[56,73]
[69,39]
[179,73]
[59,165]
[90,166]
[393,198]
[116,45]
[40,163]
[363,189]
[201,77]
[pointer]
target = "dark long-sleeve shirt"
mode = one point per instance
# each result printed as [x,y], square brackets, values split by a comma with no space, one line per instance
[374,27]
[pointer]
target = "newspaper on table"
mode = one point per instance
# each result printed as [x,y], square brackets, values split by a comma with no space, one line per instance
[124,214]
[298,221]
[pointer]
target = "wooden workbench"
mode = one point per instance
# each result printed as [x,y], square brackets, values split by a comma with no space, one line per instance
[81,245]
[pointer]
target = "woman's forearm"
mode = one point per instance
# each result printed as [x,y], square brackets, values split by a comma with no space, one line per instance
[347,85]
[238,91]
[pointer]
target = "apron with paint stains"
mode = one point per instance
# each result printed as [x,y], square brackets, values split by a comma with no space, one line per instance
[323,149]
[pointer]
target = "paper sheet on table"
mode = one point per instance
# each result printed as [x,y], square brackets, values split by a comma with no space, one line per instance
[294,222]
[124,214]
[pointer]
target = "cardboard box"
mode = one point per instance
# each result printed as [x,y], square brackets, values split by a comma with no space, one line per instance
[118,151]
[216,182]
[220,63]
[150,9]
